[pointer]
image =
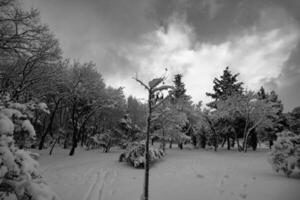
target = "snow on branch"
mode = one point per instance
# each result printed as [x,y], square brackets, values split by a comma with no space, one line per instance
[141,82]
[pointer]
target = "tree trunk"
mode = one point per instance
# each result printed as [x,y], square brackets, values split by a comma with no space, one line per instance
[228,142]
[237,141]
[49,127]
[75,130]
[195,141]
[107,148]
[66,140]
[74,143]
[224,141]
[270,143]
[56,140]
[215,142]
[146,181]
[215,139]
[253,140]
[245,142]
[164,140]
[245,134]
[83,140]
[246,139]
[203,141]
[180,145]
[42,141]
[249,132]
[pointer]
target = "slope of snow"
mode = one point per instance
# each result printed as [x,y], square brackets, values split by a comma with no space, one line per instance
[183,174]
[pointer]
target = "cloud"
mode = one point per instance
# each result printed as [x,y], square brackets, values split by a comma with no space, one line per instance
[213,6]
[199,38]
[257,54]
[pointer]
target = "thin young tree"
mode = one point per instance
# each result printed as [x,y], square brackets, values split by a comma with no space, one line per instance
[154,87]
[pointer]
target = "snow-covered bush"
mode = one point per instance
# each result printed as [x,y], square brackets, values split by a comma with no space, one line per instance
[285,154]
[106,140]
[19,173]
[135,154]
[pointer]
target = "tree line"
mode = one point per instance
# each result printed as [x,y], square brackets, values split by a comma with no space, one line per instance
[48,100]
[33,69]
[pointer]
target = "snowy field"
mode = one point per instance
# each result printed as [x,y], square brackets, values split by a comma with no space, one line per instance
[182,175]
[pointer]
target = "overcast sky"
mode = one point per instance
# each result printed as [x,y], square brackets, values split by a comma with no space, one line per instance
[260,39]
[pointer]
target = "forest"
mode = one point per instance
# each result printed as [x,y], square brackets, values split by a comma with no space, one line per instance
[49,102]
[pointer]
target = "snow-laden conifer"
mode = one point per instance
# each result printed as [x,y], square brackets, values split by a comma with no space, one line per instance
[19,174]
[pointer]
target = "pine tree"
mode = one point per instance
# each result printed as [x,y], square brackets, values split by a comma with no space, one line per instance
[277,119]
[19,168]
[262,93]
[293,120]
[183,104]
[226,86]
[179,86]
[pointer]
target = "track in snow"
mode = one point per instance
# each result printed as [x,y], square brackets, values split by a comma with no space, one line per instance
[96,190]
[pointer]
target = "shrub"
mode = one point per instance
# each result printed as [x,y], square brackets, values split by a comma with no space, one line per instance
[135,154]
[285,154]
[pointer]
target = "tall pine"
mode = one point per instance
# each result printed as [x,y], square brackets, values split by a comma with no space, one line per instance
[183,103]
[226,86]
[179,86]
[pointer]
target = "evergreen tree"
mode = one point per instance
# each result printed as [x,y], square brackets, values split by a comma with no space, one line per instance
[262,93]
[179,86]
[293,120]
[184,104]
[226,86]
[20,177]
[277,119]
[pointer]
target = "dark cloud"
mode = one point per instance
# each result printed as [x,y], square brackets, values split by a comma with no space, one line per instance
[109,31]
[287,84]
[117,62]
[213,21]
[94,29]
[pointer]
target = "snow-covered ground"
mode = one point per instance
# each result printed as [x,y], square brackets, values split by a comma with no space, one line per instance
[182,175]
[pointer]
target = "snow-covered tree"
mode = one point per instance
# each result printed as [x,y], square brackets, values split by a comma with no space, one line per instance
[224,87]
[137,110]
[19,173]
[256,112]
[170,122]
[135,154]
[154,88]
[85,92]
[122,135]
[277,120]
[285,154]
[27,50]
[293,120]
[206,124]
